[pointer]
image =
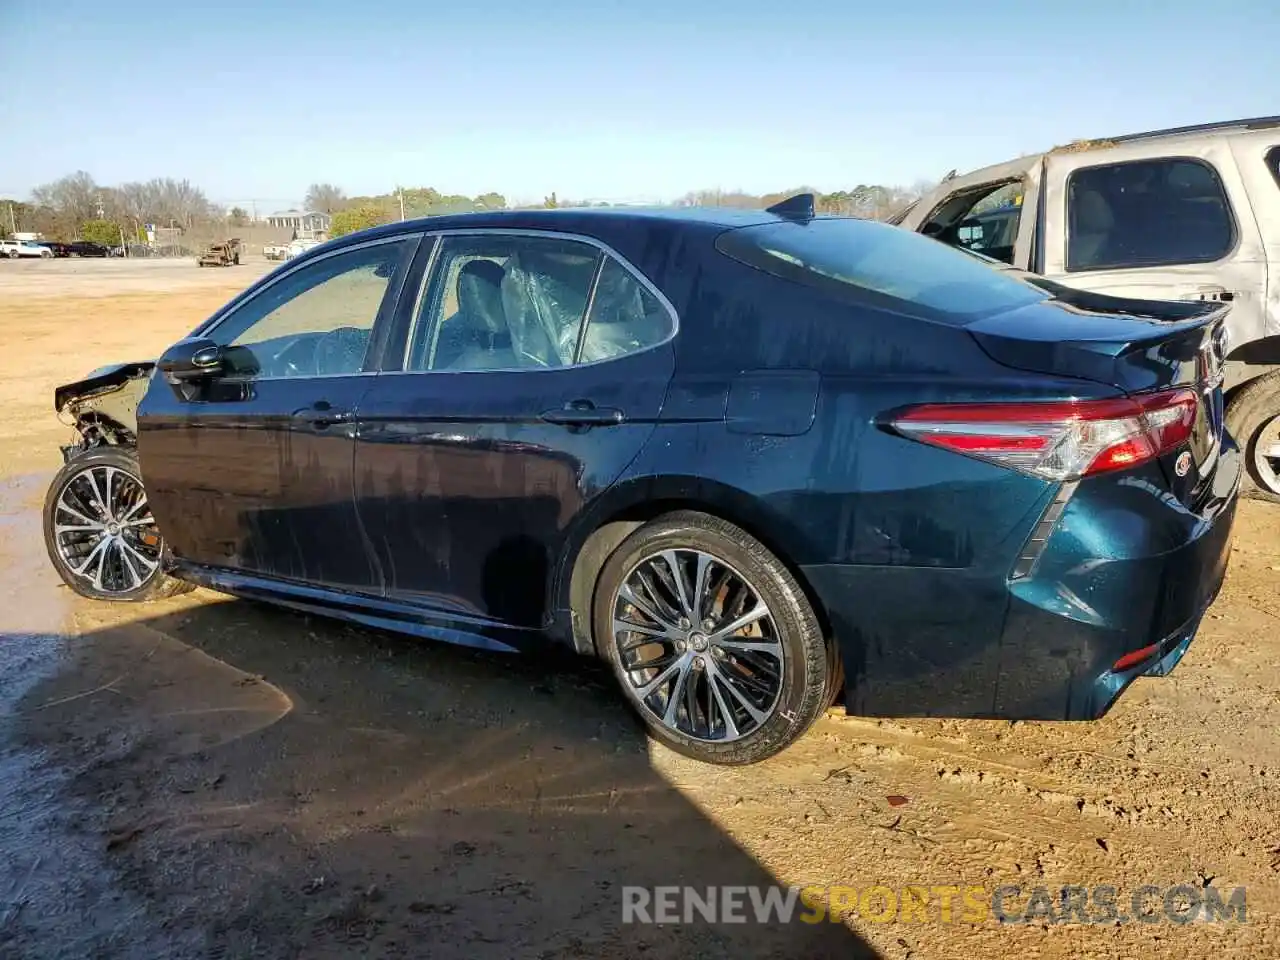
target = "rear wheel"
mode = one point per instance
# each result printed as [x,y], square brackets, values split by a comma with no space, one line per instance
[99,530]
[1253,418]
[712,640]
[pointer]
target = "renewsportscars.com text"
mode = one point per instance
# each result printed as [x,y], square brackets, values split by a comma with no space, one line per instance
[938,903]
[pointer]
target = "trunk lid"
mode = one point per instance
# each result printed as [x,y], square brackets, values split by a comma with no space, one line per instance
[1135,346]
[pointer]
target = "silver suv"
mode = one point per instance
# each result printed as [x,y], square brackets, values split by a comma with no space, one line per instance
[1190,213]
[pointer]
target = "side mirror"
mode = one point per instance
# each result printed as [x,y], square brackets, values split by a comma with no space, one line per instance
[194,358]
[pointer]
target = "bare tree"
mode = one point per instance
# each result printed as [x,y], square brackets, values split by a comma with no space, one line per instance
[74,197]
[325,198]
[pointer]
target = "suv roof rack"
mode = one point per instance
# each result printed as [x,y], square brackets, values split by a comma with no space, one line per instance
[1248,123]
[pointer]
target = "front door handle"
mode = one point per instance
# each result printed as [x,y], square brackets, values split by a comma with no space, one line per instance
[322,414]
[583,413]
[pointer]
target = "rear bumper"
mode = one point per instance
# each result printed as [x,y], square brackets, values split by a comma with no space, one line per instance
[1126,567]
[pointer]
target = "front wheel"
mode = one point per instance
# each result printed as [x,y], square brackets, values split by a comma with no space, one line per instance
[712,639]
[99,530]
[1253,418]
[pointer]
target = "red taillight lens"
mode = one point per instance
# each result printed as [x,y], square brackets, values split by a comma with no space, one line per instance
[1058,440]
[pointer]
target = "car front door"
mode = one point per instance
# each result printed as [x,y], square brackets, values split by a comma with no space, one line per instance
[958,212]
[250,470]
[534,370]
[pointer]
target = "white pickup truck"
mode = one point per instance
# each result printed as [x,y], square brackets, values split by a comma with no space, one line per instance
[1185,213]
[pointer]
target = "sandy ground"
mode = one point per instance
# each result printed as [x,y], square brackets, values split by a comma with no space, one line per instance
[209,777]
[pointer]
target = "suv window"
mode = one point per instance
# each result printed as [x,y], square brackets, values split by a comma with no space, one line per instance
[1147,213]
[1273,163]
[316,321]
[503,302]
[882,266]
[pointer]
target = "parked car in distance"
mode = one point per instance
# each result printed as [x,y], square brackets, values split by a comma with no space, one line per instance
[299,247]
[88,248]
[13,249]
[1191,213]
[275,251]
[751,459]
[58,248]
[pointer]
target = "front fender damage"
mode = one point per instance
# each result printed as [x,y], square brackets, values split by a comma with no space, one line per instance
[103,407]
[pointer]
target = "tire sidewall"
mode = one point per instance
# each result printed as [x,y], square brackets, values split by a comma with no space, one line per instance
[1256,403]
[806,670]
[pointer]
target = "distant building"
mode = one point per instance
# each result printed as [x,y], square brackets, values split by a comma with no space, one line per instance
[304,223]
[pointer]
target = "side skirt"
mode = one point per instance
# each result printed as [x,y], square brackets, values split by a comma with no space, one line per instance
[415,620]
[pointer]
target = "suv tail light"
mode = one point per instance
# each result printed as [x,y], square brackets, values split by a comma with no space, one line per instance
[1058,440]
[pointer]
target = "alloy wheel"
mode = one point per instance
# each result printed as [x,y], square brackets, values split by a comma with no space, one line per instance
[104,530]
[698,645]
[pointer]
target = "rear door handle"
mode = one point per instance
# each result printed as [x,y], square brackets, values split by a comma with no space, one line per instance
[583,413]
[322,414]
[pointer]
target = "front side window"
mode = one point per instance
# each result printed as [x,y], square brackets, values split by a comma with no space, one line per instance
[984,218]
[314,322]
[1147,213]
[882,266]
[505,302]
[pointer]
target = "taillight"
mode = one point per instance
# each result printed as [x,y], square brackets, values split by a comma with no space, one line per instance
[1058,440]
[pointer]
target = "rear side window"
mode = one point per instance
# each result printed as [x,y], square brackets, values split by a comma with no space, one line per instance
[1147,213]
[882,266]
[1273,163]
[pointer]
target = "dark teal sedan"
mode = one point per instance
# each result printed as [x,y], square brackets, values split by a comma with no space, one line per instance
[755,461]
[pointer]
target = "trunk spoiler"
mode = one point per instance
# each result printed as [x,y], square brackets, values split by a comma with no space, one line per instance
[1132,345]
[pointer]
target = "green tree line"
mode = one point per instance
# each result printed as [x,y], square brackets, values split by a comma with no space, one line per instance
[76,207]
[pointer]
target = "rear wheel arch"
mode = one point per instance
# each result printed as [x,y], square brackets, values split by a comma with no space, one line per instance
[602,534]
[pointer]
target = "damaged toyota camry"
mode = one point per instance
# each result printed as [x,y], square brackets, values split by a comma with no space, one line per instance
[756,461]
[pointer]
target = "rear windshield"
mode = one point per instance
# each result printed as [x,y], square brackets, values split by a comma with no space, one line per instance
[882,266]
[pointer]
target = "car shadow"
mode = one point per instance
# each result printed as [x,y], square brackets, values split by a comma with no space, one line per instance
[275,784]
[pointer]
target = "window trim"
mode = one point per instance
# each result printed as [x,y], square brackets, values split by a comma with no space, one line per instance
[438,237]
[1201,161]
[385,314]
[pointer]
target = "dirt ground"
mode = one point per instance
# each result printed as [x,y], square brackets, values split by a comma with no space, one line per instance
[206,777]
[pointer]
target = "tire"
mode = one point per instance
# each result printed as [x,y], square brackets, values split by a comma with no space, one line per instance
[130,567]
[790,666]
[1253,418]
[13,254]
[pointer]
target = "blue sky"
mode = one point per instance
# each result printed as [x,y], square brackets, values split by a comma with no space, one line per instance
[602,99]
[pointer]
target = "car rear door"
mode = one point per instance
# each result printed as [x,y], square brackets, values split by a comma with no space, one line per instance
[251,470]
[1142,221]
[534,369]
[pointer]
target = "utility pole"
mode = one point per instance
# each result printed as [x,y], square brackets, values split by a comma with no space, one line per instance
[400,191]
[13,224]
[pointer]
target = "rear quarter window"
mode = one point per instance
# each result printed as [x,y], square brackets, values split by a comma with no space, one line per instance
[883,267]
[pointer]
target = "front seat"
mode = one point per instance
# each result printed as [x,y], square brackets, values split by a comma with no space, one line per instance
[476,337]
[1091,229]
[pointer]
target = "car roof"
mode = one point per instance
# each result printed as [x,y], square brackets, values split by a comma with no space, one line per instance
[598,222]
[1169,141]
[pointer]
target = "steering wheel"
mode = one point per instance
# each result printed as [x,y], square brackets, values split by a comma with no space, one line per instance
[341,350]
